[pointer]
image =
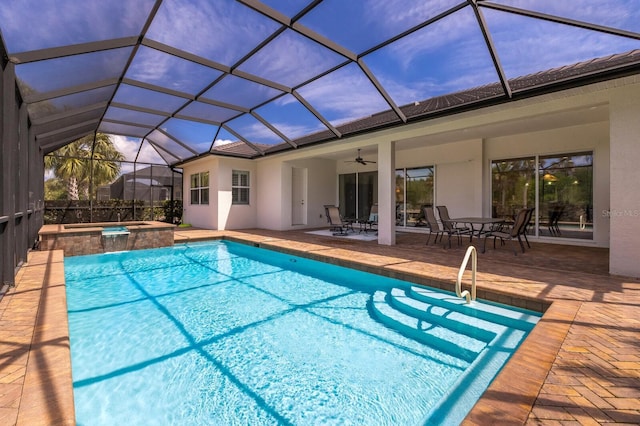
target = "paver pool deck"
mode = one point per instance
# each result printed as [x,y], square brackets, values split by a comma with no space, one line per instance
[580,365]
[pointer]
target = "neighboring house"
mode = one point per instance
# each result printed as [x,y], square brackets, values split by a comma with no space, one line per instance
[151,183]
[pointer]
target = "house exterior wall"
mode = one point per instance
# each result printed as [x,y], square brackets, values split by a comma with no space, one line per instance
[458,173]
[236,216]
[322,189]
[275,202]
[269,175]
[591,137]
[462,164]
[221,213]
[201,215]
[624,184]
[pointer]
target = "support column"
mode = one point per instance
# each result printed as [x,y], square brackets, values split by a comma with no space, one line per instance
[386,193]
[9,174]
[624,207]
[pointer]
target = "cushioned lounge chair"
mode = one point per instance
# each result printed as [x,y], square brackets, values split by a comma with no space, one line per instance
[337,225]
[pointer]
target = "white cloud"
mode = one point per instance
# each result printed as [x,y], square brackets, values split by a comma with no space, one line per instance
[127,146]
[36,24]
[294,131]
[221,28]
[291,59]
[346,93]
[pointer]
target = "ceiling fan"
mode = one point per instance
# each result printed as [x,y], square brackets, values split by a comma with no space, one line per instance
[361,160]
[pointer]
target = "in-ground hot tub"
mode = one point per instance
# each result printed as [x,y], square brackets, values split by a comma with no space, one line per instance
[115,238]
[92,238]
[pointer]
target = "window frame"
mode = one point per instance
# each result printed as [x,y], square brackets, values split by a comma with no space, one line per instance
[402,176]
[237,189]
[538,180]
[197,187]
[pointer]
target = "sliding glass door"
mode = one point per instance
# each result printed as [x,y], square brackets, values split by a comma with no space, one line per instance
[414,190]
[513,186]
[566,195]
[560,187]
[357,193]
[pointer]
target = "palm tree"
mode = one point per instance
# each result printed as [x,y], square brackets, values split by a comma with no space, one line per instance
[74,163]
[106,161]
[69,163]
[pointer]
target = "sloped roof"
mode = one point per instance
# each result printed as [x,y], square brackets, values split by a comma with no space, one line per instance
[247,78]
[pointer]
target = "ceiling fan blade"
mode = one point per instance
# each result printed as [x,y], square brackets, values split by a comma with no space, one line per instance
[360,160]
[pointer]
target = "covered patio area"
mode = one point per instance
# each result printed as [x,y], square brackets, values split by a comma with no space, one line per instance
[580,364]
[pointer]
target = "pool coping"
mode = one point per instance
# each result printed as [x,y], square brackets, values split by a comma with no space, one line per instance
[35,323]
[46,395]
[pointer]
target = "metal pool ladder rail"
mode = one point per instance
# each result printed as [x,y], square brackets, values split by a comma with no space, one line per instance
[471,252]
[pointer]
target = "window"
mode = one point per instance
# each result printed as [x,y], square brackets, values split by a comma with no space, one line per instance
[240,187]
[358,192]
[414,190]
[513,186]
[200,188]
[565,194]
[560,187]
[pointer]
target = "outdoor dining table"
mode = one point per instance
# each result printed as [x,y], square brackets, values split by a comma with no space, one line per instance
[481,221]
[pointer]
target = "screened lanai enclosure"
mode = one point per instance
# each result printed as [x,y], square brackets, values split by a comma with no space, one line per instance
[89,181]
[171,81]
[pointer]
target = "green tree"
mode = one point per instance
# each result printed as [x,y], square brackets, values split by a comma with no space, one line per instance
[55,189]
[80,161]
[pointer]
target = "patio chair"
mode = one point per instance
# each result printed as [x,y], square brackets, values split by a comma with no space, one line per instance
[451,226]
[371,223]
[554,217]
[435,228]
[527,222]
[421,220]
[512,233]
[337,225]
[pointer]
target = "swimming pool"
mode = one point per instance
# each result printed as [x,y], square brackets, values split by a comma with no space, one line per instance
[223,333]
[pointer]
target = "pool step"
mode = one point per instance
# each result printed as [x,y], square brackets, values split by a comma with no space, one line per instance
[443,315]
[425,329]
[484,311]
[483,334]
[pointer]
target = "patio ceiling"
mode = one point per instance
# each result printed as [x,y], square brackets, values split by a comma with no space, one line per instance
[177,79]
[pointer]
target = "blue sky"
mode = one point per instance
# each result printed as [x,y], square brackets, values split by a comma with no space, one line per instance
[447,56]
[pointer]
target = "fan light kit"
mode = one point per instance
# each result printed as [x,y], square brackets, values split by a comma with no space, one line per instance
[361,160]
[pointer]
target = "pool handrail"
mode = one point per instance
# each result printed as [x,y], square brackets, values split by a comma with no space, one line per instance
[473,253]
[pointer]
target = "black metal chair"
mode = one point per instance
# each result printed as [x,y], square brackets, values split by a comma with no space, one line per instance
[527,222]
[554,217]
[371,222]
[435,228]
[450,226]
[515,232]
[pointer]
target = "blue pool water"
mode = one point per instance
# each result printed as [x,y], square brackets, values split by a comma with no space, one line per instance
[221,333]
[114,230]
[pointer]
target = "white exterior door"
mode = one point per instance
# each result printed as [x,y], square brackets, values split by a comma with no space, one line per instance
[298,196]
